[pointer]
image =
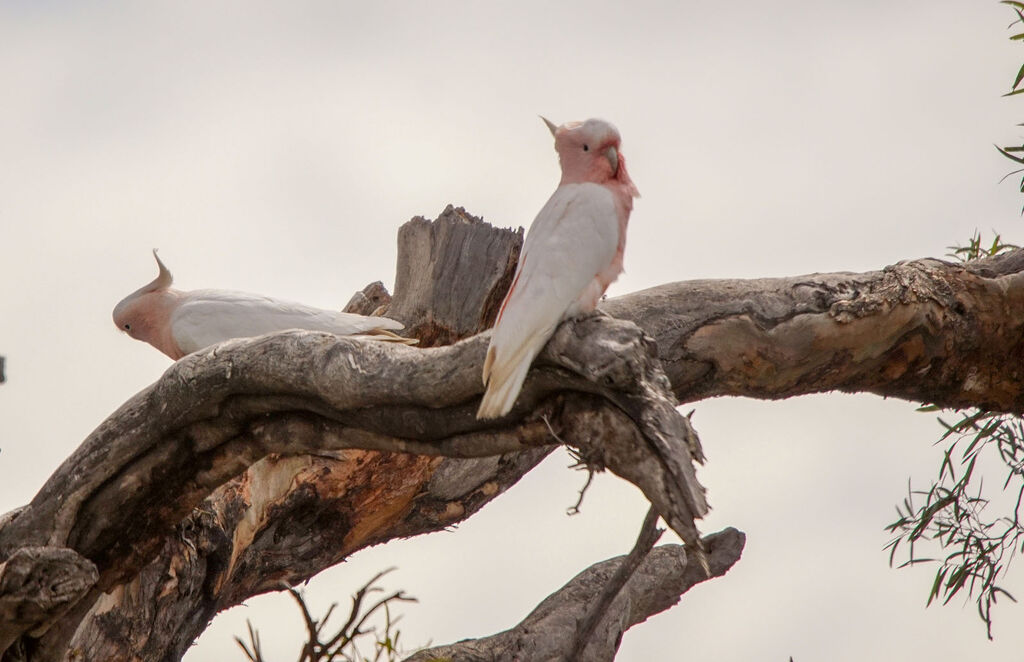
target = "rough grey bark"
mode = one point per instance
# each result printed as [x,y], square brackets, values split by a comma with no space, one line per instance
[37,586]
[435,296]
[118,500]
[549,632]
[599,607]
[924,330]
[213,414]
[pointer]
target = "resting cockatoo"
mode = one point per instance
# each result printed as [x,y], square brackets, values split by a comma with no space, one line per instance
[179,323]
[573,252]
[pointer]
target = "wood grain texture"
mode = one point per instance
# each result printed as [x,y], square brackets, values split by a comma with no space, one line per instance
[923,330]
[312,407]
[246,465]
[549,631]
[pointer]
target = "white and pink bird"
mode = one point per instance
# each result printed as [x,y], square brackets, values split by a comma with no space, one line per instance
[179,323]
[572,253]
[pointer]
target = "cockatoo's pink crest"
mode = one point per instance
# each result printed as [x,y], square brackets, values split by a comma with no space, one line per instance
[572,253]
[145,314]
[179,323]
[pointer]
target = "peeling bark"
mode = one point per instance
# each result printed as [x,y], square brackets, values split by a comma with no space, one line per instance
[218,411]
[145,469]
[924,330]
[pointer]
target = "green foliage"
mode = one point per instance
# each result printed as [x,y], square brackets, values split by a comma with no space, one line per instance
[977,544]
[342,646]
[976,249]
[952,512]
[1011,151]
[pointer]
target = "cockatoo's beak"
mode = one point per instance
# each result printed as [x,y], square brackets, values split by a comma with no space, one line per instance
[551,125]
[612,155]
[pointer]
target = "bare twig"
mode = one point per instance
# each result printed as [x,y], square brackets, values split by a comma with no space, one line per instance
[256,654]
[309,651]
[575,508]
[342,645]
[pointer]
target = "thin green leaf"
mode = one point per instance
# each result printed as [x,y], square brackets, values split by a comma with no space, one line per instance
[1003,151]
[1020,76]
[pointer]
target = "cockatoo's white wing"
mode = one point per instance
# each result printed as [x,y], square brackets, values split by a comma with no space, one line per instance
[207,317]
[573,239]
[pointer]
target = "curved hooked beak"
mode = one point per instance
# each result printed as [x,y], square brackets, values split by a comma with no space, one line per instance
[612,155]
[551,125]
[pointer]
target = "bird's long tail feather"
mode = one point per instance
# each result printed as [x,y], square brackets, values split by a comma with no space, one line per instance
[383,335]
[504,377]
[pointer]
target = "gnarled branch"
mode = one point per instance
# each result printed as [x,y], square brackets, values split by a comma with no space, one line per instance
[923,330]
[117,499]
[549,632]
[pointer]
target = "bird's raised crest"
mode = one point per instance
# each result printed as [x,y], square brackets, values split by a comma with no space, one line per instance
[163,280]
[552,127]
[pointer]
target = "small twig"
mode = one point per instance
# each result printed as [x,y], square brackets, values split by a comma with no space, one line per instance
[323,621]
[256,654]
[344,635]
[580,462]
[649,534]
[552,431]
[358,629]
[310,652]
[575,508]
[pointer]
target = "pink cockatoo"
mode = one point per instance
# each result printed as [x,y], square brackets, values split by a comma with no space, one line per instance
[572,253]
[179,323]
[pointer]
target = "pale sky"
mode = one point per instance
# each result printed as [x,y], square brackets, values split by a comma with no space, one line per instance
[277,147]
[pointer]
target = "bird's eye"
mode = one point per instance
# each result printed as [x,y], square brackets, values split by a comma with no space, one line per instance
[127,327]
[586,148]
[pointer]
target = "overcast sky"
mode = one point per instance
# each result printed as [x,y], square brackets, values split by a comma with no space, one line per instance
[276,148]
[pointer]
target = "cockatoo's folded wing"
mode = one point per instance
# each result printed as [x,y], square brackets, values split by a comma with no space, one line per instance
[573,239]
[207,317]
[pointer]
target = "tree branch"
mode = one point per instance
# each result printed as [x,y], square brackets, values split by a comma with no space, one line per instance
[212,414]
[924,330]
[645,541]
[549,632]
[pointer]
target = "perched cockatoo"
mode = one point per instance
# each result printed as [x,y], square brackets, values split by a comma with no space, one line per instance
[179,323]
[572,253]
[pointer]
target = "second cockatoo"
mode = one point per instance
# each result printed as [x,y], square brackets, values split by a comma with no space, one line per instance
[179,323]
[572,253]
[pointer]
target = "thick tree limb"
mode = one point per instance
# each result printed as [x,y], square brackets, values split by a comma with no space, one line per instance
[217,411]
[214,413]
[549,632]
[925,330]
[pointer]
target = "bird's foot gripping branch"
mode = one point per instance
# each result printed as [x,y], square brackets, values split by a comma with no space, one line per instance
[597,386]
